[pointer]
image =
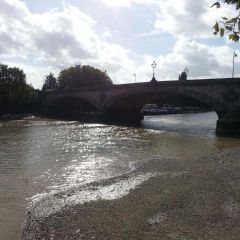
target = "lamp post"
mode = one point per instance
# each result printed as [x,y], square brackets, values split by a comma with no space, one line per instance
[234,55]
[135,76]
[154,65]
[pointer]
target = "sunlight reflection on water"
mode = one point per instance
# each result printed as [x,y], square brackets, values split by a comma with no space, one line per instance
[40,156]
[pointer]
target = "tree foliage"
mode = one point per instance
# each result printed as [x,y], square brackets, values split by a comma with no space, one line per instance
[15,94]
[82,76]
[231,24]
[50,82]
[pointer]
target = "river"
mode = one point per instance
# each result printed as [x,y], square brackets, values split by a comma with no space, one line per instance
[38,156]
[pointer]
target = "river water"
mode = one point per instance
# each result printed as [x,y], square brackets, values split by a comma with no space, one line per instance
[38,156]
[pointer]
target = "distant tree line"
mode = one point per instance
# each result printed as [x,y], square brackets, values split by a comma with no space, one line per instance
[77,77]
[16,96]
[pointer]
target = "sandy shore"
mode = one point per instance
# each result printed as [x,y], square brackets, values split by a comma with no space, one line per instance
[162,199]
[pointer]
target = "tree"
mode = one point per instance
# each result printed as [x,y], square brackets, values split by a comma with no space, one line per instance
[82,76]
[15,93]
[12,81]
[50,82]
[230,24]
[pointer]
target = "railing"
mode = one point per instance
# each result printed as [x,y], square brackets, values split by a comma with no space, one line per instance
[147,84]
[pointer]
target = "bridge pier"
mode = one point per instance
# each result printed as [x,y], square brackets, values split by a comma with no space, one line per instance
[228,125]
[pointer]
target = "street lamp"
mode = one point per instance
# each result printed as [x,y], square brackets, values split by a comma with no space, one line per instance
[186,70]
[234,55]
[135,76]
[154,65]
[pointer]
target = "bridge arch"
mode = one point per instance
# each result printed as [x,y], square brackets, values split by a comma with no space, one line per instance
[56,96]
[128,104]
[70,107]
[204,98]
[131,103]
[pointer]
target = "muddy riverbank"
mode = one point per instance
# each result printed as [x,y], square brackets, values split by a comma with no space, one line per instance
[178,198]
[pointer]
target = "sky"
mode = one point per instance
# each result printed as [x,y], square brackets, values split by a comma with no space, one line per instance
[123,37]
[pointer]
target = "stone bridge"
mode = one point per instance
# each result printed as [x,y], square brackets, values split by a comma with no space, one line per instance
[125,102]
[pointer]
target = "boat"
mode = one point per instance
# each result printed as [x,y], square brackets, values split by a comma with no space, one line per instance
[154,111]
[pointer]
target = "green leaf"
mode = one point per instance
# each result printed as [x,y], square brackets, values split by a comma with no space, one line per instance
[216,28]
[221,32]
[217,4]
[234,37]
[229,28]
[233,20]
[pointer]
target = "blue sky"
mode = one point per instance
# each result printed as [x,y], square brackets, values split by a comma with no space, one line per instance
[122,37]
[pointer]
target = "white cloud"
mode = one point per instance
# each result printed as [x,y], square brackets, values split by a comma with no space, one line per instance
[190,19]
[106,34]
[57,39]
[122,3]
[127,3]
[202,61]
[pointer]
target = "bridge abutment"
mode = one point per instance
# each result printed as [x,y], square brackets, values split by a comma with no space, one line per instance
[228,125]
